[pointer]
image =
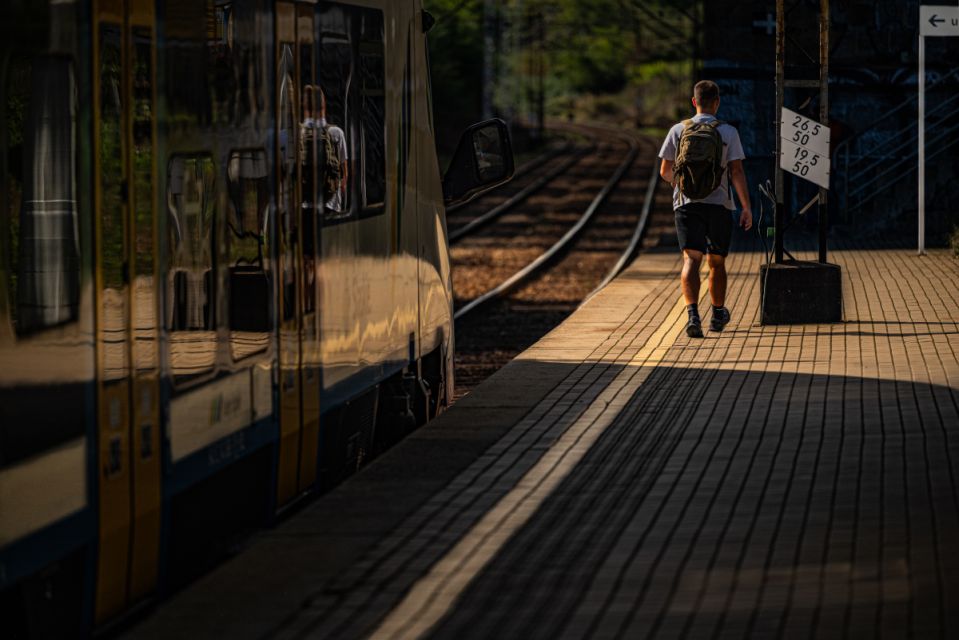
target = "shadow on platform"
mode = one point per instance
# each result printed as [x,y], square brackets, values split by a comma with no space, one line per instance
[717,500]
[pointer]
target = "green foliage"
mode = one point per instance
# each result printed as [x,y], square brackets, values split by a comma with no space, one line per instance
[456,66]
[637,52]
[591,45]
[595,62]
[662,90]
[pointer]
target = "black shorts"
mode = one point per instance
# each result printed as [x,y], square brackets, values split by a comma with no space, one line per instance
[704,227]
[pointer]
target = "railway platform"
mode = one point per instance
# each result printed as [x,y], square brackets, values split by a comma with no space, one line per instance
[619,479]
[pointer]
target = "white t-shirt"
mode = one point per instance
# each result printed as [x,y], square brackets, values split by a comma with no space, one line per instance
[732,150]
[335,203]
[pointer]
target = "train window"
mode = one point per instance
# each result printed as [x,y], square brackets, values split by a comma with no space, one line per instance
[190,210]
[352,102]
[248,185]
[220,36]
[222,41]
[249,282]
[335,75]
[142,125]
[38,209]
[111,158]
[286,213]
[374,105]
[143,278]
[191,37]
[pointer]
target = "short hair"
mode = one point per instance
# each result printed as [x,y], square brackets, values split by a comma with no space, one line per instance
[706,92]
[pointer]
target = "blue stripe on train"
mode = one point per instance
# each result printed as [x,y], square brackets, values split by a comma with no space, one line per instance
[358,384]
[222,453]
[47,545]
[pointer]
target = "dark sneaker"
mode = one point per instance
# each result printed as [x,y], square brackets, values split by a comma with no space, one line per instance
[720,319]
[694,328]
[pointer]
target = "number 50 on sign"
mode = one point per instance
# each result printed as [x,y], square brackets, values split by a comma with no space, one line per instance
[805,148]
[805,163]
[805,132]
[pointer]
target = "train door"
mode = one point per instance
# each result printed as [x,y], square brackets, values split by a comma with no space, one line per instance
[127,361]
[309,248]
[299,387]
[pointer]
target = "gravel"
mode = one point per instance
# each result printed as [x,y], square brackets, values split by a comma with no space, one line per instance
[495,333]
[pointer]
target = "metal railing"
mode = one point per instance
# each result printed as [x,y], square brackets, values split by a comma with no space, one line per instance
[867,173]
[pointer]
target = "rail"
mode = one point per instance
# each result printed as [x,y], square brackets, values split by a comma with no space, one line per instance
[523,169]
[944,138]
[629,253]
[905,103]
[562,243]
[526,192]
[866,170]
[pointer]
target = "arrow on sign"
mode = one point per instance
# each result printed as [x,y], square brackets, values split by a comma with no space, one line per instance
[939,21]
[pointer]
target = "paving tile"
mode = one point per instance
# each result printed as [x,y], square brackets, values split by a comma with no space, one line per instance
[763,481]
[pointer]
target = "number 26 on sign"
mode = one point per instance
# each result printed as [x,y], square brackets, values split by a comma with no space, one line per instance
[805,130]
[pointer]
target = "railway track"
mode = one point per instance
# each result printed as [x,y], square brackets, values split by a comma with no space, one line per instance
[523,265]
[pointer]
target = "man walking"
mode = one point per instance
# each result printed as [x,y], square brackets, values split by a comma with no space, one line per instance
[699,157]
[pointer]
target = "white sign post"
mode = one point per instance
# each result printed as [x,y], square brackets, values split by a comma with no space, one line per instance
[805,148]
[934,22]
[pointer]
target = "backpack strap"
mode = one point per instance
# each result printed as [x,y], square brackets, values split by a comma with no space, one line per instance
[715,123]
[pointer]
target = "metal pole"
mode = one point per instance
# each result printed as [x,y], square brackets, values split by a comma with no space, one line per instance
[7,309]
[845,181]
[824,118]
[922,145]
[489,25]
[780,77]
[541,81]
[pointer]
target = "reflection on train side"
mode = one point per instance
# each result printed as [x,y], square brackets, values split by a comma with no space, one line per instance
[46,341]
[43,277]
[249,268]
[190,283]
[224,279]
[350,118]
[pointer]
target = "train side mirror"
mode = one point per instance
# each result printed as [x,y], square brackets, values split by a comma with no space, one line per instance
[483,160]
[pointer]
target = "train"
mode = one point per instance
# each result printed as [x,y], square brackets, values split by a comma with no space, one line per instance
[224,279]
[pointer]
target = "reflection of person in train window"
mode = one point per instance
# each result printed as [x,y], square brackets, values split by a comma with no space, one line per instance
[308,151]
[489,154]
[335,198]
[307,144]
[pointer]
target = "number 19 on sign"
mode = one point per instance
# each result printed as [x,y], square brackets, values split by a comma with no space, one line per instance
[804,163]
[805,147]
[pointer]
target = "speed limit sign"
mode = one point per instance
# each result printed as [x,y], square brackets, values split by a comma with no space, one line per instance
[805,132]
[805,148]
[804,163]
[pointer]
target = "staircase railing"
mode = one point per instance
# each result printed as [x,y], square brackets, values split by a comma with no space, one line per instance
[866,173]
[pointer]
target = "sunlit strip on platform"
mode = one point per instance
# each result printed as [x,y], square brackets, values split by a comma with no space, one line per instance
[41,490]
[433,596]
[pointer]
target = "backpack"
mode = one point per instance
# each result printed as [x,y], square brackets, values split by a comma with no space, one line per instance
[330,162]
[699,161]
